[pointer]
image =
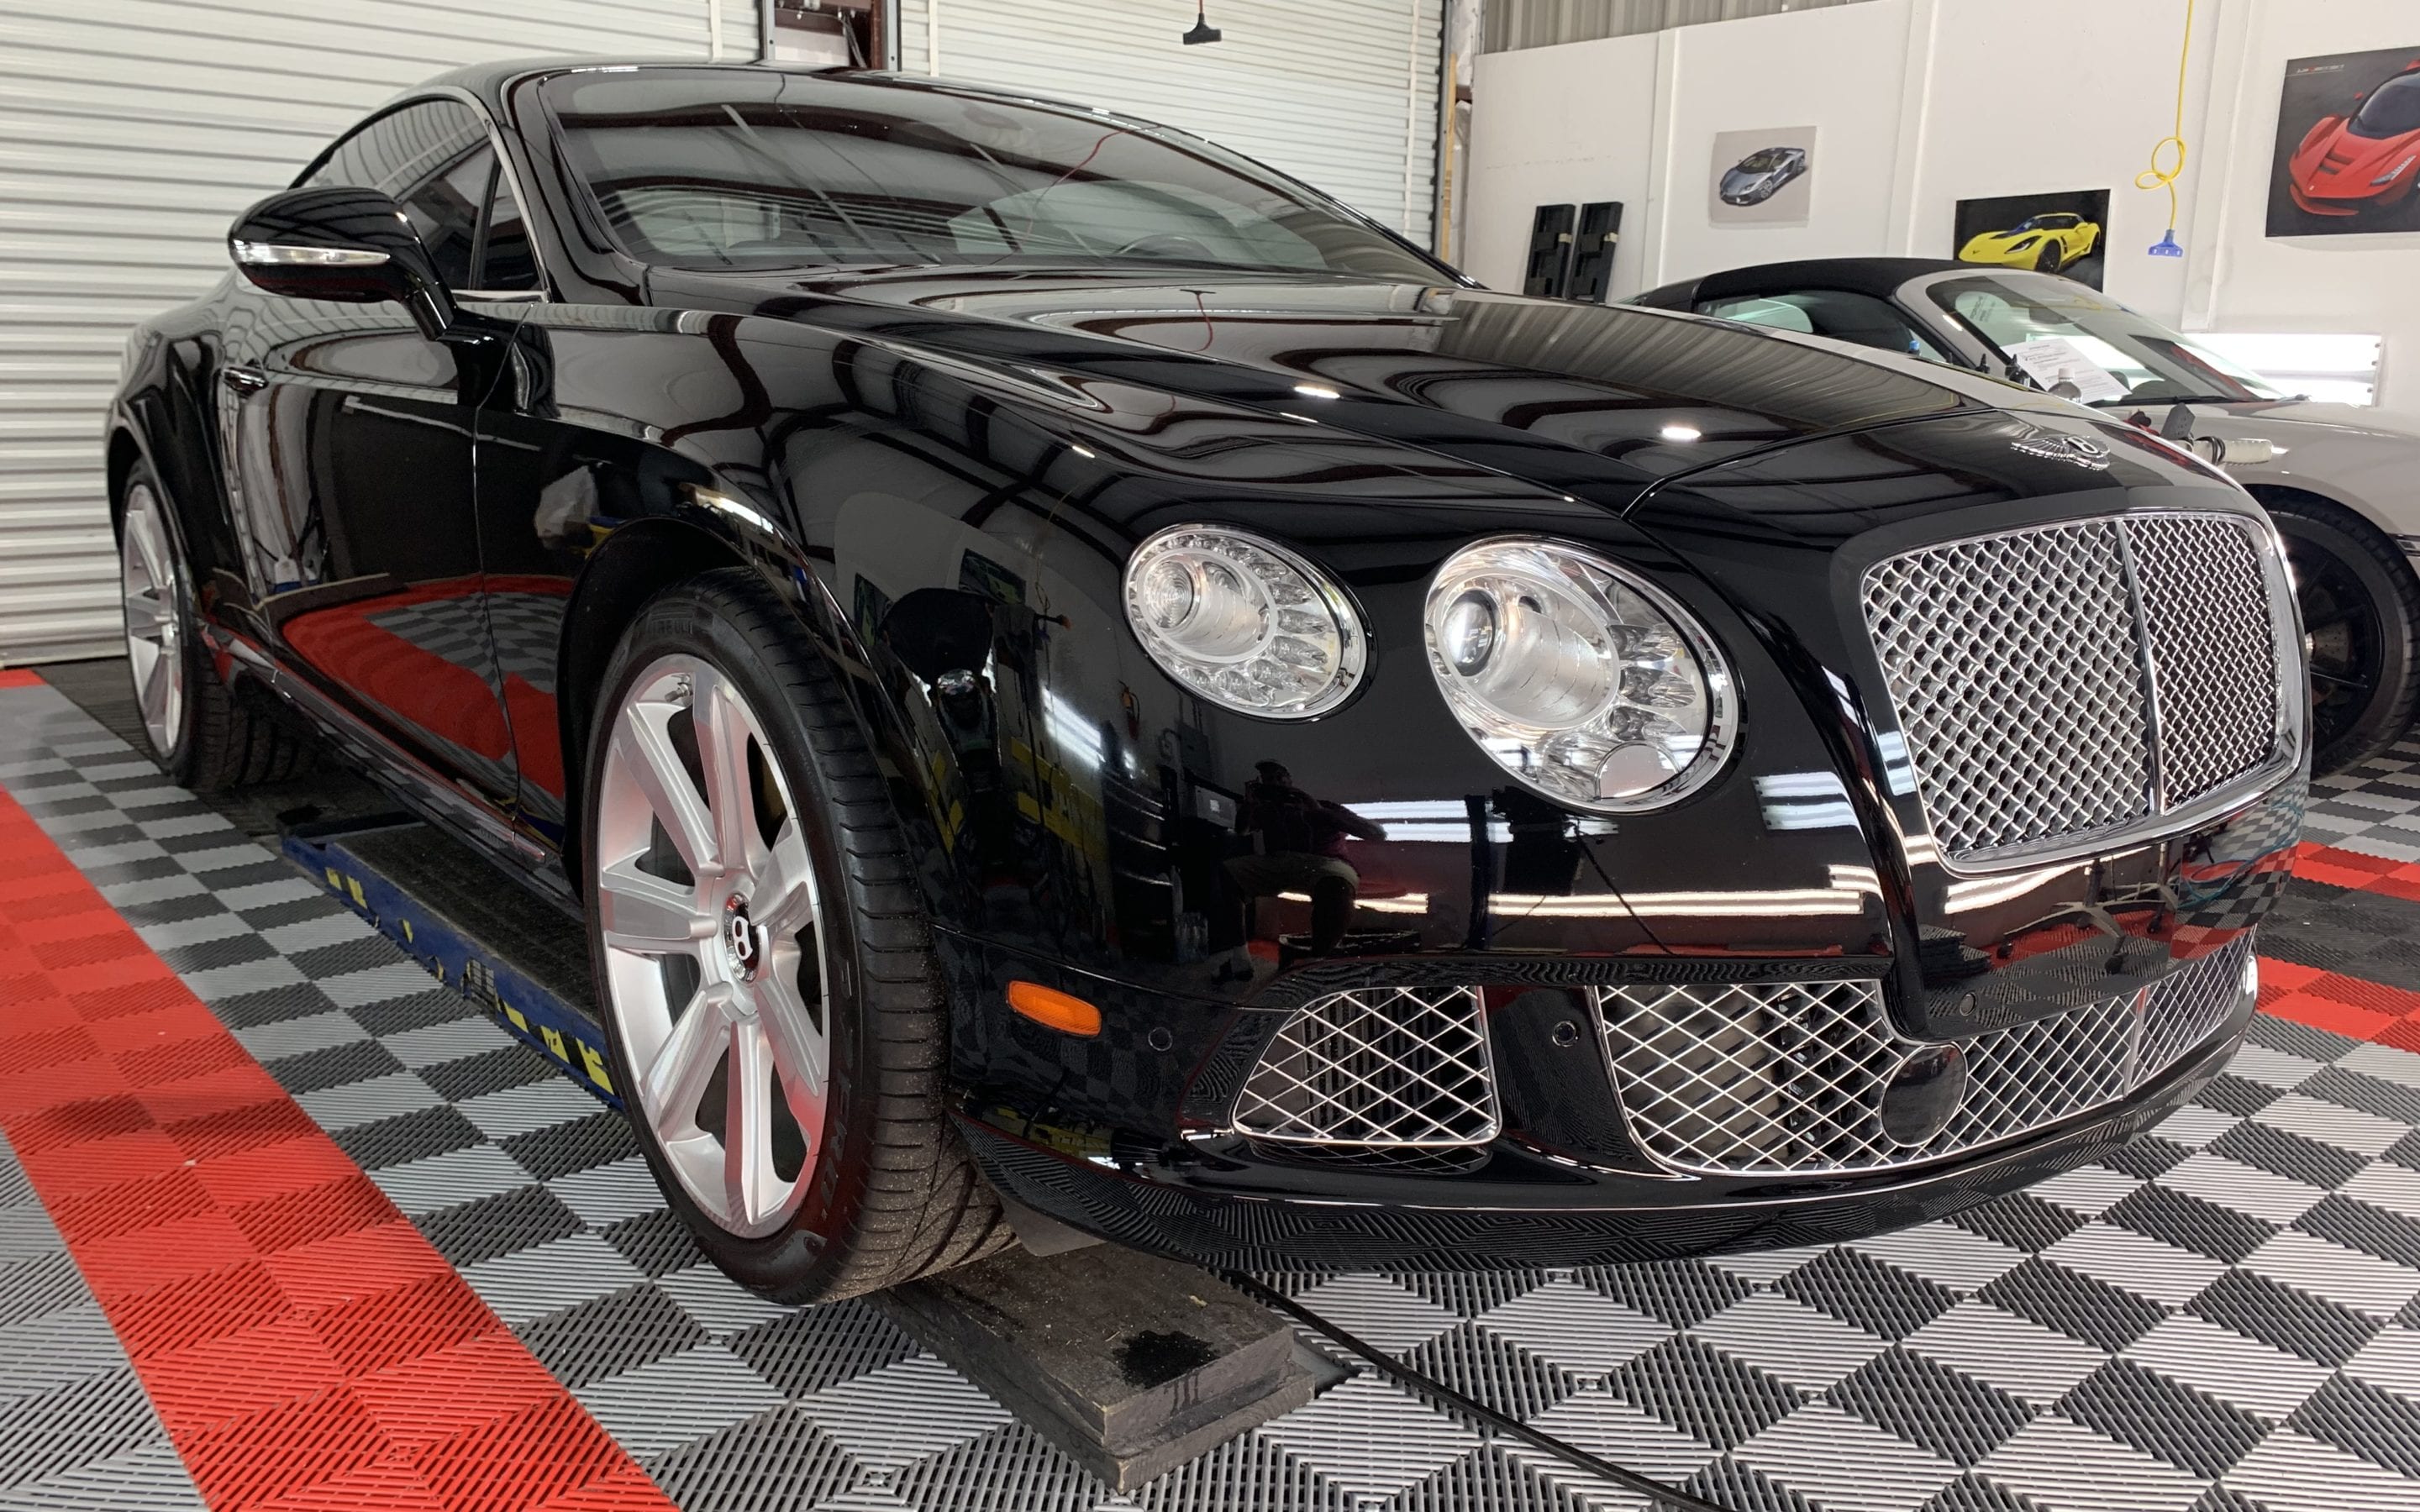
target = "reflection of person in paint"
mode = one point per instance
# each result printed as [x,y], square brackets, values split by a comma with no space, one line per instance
[1298,846]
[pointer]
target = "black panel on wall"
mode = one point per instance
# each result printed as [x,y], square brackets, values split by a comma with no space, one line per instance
[1549,269]
[1600,231]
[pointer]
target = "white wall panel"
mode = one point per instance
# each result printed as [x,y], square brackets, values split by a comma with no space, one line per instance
[131,132]
[1339,93]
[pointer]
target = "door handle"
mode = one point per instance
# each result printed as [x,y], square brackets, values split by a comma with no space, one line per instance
[244,379]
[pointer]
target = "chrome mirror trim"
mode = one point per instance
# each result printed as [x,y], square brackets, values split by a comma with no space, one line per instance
[278,254]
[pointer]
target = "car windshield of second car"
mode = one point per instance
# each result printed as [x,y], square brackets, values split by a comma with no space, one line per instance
[2393,110]
[2153,364]
[718,169]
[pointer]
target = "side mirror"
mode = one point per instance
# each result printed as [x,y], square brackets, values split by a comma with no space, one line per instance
[351,245]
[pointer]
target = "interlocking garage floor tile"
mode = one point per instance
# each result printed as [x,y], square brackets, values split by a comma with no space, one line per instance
[2224,1319]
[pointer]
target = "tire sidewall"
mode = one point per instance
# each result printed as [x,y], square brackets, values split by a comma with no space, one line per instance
[2390,600]
[180,760]
[685,621]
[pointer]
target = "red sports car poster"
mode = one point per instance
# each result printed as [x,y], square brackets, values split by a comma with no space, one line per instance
[2348,145]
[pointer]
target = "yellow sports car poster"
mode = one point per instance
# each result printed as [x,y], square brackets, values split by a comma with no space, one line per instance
[2062,233]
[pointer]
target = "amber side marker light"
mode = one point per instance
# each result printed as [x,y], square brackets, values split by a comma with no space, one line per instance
[1053,1008]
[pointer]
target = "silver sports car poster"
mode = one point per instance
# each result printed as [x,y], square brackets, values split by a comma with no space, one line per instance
[1764,178]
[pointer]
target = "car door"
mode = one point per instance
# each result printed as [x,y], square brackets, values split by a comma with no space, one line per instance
[352,462]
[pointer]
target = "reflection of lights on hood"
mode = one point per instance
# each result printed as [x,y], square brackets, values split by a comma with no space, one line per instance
[1316,391]
[722,504]
[1083,451]
[1851,886]
[1410,903]
[1805,801]
[1682,433]
[1074,739]
[1440,821]
[1986,892]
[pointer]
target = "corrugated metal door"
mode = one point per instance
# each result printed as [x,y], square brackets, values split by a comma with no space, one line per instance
[1339,93]
[130,135]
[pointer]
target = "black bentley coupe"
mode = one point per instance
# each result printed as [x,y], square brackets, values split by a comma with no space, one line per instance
[1079,682]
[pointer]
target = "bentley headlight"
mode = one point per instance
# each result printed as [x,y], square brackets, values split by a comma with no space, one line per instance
[1580,677]
[1244,622]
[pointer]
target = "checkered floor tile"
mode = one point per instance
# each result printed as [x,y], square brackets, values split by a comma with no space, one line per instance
[2224,1319]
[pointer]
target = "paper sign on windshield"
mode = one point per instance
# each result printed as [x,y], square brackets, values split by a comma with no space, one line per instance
[2050,360]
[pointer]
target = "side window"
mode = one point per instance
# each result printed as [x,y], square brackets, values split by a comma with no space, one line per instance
[506,261]
[403,149]
[1843,316]
[444,210]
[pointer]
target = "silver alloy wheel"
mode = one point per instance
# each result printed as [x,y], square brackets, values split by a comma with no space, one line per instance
[155,630]
[714,969]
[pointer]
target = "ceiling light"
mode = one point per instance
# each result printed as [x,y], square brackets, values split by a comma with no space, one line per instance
[1203,31]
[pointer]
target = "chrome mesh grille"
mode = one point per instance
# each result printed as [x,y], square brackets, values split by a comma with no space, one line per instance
[2206,608]
[1787,1079]
[1382,1068]
[2027,668]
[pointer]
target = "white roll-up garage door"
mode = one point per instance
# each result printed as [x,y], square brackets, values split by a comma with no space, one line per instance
[130,135]
[1341,93]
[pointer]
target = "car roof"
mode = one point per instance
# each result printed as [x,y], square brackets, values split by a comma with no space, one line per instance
[1877,276]
[488,80]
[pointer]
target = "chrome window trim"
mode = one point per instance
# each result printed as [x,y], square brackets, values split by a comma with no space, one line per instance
[2164,819]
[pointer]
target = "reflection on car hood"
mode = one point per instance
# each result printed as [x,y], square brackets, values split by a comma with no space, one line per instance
[2353,420]
[1594,400]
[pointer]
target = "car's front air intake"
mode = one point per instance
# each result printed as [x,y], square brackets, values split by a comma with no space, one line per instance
[1795,1078]
[1380,1069]
[2062,685]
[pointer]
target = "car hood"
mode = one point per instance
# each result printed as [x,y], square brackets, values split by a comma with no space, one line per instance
[2357,160]
[2350,420]
[1598,402]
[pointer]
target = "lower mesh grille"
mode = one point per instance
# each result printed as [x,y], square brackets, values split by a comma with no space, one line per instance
[1788,1077]
[1384,1068]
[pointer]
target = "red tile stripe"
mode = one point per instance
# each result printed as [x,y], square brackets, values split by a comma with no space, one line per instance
[304,1343]
[20,677]
[2346,1005]
[2352,869]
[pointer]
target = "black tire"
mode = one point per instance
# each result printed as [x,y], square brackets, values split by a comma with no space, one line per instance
[222,741]
[894,1195]
[2050,259]
[2361,619]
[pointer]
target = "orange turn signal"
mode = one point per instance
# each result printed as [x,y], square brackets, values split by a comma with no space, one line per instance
[1053,1008]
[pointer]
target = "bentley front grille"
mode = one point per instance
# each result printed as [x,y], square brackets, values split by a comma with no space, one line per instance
[2061,683]
[1790,1078]
[1381,1069]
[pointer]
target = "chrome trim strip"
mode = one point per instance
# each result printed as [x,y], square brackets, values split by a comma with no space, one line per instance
[2147,659]
[280,254]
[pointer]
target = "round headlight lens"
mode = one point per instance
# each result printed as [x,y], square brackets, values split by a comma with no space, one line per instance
[1244,622]
[1580,677]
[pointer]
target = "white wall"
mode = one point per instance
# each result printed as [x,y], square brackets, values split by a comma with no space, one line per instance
[1922,104]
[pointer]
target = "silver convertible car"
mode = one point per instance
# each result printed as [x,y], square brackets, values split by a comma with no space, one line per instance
[2342,482]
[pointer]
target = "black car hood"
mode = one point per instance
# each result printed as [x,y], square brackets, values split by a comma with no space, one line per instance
[1595,401]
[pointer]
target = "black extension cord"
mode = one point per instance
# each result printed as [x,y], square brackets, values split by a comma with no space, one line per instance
[1480,1413]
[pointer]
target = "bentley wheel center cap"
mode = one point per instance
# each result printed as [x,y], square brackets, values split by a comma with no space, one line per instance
[741,947]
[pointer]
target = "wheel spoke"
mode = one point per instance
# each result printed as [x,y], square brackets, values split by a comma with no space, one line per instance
[784,901]
[143,614]
[646,751]
[749,1179]
[798,1046]
[647,914]
[723,733]
[685,1064]
[2357,683]
[159,683]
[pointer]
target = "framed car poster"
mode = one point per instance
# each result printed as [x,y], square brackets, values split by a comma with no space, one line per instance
[2055,233]
[2348,153]
[1763,177]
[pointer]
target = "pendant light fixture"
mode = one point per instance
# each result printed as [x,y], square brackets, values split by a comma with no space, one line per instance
[1203,31]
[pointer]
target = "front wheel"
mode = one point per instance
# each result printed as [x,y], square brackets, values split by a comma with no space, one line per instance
[2049,259]
[772,1000]
[2361,625]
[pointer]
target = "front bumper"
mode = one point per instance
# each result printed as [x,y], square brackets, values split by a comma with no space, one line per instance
[1540,1211]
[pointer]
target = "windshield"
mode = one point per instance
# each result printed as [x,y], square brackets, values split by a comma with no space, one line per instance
[2045,223]
[2149,361]
[720,168]
[2392,111]
[1765,161]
